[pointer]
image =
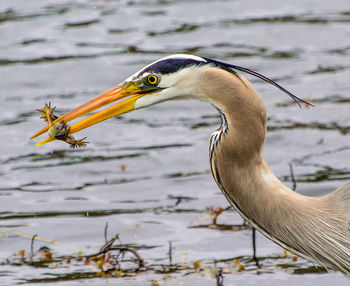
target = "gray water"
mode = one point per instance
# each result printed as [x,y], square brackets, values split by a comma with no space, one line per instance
[146,174]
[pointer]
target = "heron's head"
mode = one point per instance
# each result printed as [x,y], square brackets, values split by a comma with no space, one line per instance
[172,77]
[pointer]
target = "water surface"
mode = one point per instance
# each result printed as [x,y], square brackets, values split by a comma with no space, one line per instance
[146,174]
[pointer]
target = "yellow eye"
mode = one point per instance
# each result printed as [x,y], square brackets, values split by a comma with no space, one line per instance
[152,79]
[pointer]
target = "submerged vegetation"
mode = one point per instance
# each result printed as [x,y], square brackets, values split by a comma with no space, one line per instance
[117,260]
[114,259]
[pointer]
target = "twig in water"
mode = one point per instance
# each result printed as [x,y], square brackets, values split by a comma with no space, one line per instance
[108,246]
[170,253]
[179,199]
[219,278]
[32,247]
[216,212]
[105,232]
[292,176]
[123,249]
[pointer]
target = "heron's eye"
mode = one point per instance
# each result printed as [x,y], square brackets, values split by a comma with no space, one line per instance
[152,80]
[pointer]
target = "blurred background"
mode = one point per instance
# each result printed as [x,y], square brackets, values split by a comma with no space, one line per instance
[147,174]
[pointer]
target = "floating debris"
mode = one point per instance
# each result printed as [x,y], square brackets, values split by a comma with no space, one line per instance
[46,254]
[197,265]
[215,212]
[59,130]
[116,260]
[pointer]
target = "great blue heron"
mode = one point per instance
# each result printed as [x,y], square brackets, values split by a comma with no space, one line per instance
[316,228]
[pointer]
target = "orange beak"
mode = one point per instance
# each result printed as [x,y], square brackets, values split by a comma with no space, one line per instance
[120,91]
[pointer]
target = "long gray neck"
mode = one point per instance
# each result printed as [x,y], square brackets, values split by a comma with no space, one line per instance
[298,223]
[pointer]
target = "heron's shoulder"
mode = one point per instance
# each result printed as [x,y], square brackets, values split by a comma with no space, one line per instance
[342,196]
[343,192]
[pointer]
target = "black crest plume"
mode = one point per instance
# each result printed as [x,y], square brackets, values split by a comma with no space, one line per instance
[229,68]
